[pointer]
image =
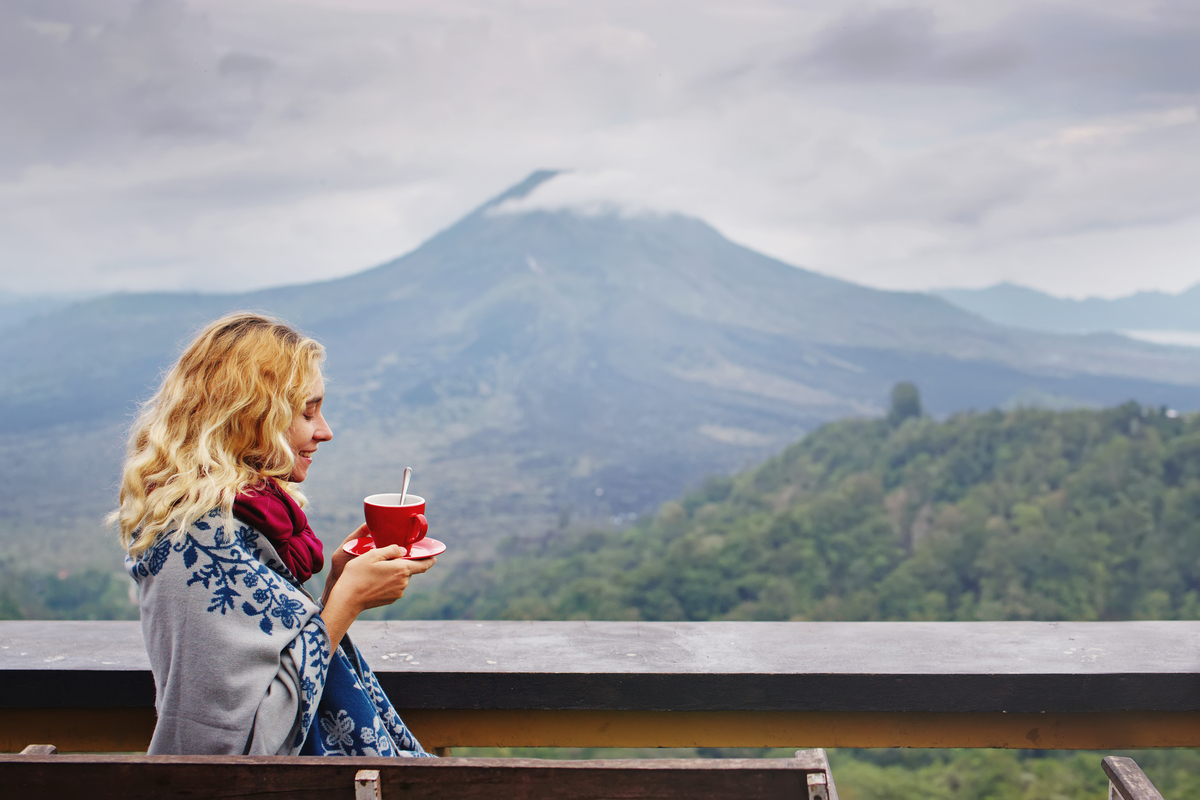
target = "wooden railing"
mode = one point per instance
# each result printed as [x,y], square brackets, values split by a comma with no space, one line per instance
[86,686]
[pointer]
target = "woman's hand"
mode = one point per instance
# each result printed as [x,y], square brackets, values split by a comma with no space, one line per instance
[340,559]
[376,578]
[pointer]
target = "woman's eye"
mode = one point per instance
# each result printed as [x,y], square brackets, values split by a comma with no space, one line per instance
[309,417]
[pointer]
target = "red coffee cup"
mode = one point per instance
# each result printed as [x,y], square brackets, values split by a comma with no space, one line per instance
[392,523]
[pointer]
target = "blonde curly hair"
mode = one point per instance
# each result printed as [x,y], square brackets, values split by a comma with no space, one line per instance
[217,424]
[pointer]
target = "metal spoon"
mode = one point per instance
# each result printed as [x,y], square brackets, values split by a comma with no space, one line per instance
[404,488]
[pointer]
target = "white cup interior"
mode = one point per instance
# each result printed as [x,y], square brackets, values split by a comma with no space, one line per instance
[393,499]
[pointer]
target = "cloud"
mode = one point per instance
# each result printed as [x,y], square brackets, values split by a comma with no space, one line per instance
[75,84]
[590,193]
[229,144]
[1085,57]
[903,45]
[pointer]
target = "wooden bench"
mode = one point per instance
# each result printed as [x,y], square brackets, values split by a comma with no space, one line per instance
[39,772]
[1126,781]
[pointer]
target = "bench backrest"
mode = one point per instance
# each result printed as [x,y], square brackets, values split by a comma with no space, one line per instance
[109,777]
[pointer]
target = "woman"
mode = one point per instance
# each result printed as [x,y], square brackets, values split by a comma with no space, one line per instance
[244,660]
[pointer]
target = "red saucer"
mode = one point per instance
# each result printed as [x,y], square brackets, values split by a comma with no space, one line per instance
[426,548]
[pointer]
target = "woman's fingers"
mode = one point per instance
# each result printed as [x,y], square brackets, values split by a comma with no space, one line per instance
[395,552]
[361,532]
[387,553]
[422,565]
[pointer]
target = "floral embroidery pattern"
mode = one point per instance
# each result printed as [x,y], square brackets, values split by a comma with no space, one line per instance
[340,738]
[398,731]
[228,561]
[338,730]
[356,717]
[311,651]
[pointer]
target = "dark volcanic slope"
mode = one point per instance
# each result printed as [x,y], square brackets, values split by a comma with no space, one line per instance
[525,362]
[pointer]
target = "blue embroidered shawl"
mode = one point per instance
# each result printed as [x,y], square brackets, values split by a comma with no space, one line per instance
[241,658]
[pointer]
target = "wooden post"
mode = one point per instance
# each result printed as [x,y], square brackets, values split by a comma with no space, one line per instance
[366,785]
[817,786]
[820,784]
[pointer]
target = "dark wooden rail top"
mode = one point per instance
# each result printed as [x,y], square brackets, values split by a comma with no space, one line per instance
[1014,667]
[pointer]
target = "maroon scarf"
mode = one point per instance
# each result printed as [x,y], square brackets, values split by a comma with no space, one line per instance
[273,512]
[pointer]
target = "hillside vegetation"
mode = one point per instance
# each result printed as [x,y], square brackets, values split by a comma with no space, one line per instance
[87,594]
[1027,514]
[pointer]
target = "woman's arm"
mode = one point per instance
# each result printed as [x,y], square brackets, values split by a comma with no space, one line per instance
[339,560]
[374,579]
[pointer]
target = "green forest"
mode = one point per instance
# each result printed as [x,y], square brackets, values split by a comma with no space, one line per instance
[1021,515]
[88,594]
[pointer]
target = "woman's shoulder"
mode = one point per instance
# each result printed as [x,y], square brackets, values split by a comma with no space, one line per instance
[220,566]
[213,536]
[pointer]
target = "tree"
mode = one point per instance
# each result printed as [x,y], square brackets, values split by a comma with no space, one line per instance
[906,402]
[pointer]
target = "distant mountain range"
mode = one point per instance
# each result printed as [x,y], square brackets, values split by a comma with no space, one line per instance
[15,308]
[534,364]
[1020,307]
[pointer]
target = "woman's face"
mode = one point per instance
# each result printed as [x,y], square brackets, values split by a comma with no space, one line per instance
[307,431]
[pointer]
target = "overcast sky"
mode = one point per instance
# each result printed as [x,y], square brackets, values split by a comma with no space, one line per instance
[225,144]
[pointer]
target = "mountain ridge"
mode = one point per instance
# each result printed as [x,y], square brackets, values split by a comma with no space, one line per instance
[1020,306]
[530,364]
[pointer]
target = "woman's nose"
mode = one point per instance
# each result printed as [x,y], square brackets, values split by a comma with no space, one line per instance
[323,432]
